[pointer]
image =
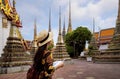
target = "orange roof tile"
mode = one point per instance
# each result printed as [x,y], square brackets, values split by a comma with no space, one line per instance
[107,32]
[105,35]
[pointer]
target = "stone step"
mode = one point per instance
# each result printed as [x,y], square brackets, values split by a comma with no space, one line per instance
[106,60]
[107,57]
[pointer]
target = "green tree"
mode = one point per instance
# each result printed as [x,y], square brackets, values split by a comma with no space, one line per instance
[75,41]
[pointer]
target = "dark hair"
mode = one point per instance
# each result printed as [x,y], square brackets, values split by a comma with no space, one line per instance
[37,61]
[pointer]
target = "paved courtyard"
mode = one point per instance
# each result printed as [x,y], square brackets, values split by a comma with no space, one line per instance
[78,69]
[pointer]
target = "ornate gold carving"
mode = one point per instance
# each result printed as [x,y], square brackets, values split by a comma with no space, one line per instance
[0,2]
[10,13]
[4,22]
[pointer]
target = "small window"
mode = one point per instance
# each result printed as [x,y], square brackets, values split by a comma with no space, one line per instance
[4,22]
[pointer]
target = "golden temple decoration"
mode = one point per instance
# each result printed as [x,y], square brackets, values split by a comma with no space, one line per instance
[10,12]
[1,6]
[7,9]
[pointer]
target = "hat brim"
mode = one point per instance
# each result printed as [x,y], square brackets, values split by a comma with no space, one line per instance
[50,37]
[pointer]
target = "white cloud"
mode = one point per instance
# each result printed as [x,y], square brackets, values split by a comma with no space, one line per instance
[103,7]
[60,3]
[102,10]
[83,11]
[106,23]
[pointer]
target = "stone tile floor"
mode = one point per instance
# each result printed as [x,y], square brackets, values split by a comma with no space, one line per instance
[78,69]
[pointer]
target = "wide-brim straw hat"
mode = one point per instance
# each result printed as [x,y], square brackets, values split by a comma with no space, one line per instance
[44,37]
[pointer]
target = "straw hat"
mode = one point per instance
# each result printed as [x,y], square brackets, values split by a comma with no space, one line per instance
[44,37]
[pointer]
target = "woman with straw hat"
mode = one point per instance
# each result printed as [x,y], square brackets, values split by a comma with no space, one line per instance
[42,67]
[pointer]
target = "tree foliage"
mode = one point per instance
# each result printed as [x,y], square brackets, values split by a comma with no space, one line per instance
[76,40]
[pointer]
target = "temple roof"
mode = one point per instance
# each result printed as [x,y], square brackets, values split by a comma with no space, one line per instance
[105,35]
[107,32]
[8,11]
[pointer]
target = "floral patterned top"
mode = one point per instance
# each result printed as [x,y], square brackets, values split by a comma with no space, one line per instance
[46,69]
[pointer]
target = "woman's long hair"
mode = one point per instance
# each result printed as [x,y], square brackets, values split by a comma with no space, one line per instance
[37,61]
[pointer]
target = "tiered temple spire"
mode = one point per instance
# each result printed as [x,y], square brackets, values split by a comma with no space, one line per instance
[34,42]
[60,52]
[117,30]
[60,38]
[14,58]
[115,43]
[112,54]
[93,42]
[70,22]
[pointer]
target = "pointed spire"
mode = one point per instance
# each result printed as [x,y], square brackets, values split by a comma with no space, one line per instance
[70,23]
[14,14]
[35,30]
[14,3]
[34,45]
[115,42]
[64,30]
[69,11]
[117,29]
[118,10]
[49,30]
[93,40]
[93,25]
[64,24]
[59,20]
[60,38]
[60,52]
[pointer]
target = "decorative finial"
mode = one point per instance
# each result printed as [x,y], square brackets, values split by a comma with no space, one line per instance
[59,20]
[14,3]
[69,11]
[60,38]
[64,30]
[64,23]
[93,25]
[35,29]
[70,23]
[118,10]
[49,20]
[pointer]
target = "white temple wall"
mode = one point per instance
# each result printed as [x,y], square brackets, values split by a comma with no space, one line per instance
[4,33]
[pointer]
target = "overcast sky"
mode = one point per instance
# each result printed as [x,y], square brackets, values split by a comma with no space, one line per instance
[83,11]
